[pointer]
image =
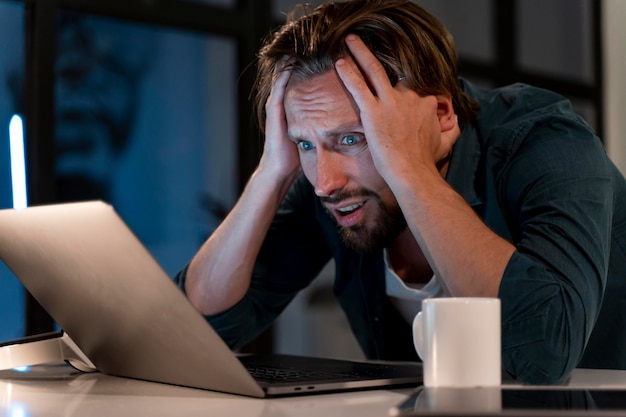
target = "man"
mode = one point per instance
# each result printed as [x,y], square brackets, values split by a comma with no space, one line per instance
[419,184]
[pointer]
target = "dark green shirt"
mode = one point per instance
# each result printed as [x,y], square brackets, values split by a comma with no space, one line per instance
[537,176]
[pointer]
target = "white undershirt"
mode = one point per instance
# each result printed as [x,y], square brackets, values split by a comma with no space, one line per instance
[408,299]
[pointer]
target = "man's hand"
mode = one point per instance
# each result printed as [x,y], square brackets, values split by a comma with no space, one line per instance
[280,154]
[401,127]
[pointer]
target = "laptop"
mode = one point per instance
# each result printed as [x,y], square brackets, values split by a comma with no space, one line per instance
[123,313]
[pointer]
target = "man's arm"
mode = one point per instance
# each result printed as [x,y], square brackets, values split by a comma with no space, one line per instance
[219,275]
[293,253]
[410,139]
[559,195]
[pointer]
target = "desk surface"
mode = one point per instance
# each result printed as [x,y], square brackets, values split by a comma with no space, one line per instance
[57,390]
[54,390]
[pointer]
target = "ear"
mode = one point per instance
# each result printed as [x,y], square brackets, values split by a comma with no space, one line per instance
[449,122]
[445,113]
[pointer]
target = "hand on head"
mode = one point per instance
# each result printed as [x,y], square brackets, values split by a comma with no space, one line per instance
[279,152]
[400,126]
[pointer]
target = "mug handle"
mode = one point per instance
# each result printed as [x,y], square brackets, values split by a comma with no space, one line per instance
[418,335]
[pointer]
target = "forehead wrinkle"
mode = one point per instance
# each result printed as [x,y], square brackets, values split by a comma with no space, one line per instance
[320,106]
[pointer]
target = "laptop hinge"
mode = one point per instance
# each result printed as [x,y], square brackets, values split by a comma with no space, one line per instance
[42,349]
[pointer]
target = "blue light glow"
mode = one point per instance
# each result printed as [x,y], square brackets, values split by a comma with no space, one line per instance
[18,410]
[18,162]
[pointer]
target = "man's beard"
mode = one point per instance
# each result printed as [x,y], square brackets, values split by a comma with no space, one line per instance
[368,239]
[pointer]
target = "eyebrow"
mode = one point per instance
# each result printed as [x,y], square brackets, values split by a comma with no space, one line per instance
[341,129]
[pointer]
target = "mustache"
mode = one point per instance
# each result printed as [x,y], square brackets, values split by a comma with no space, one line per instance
[346,194]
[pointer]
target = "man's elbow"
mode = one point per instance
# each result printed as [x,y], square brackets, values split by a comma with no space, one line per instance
[535,365]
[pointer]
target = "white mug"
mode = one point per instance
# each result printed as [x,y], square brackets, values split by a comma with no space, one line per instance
[459,341]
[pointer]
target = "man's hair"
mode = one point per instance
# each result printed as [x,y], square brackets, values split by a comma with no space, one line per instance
[405,38]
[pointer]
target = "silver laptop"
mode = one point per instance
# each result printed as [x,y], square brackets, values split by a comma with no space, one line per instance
[119,307]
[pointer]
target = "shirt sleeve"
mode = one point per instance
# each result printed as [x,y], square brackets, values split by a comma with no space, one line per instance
[559,198]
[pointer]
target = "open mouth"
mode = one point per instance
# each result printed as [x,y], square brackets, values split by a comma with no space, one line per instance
[344,211]
[349,215]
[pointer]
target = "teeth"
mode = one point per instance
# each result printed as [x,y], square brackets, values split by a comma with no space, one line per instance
[349,209]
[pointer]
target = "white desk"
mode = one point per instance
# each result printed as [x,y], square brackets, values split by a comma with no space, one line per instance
[58,390]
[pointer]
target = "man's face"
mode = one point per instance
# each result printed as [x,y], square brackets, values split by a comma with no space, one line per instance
[324,121]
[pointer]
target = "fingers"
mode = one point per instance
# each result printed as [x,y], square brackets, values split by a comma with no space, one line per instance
[281,78]
[364,75]
[279,153]
[354,82]
[373,70]
[274,106]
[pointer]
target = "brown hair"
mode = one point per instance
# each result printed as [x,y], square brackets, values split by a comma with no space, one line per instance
[405,38]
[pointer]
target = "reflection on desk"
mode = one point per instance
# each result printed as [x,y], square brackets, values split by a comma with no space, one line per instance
[587,393]
[58,390]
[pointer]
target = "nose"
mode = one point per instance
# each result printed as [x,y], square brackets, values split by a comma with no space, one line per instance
[331,172]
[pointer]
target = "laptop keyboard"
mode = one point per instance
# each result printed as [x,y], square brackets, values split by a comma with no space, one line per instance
[268,374]
[286,369]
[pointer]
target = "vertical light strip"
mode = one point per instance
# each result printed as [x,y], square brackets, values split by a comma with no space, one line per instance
[18,162]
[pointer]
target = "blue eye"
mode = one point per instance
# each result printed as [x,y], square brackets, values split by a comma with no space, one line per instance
[350,140]
[352,144]
[305,145]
